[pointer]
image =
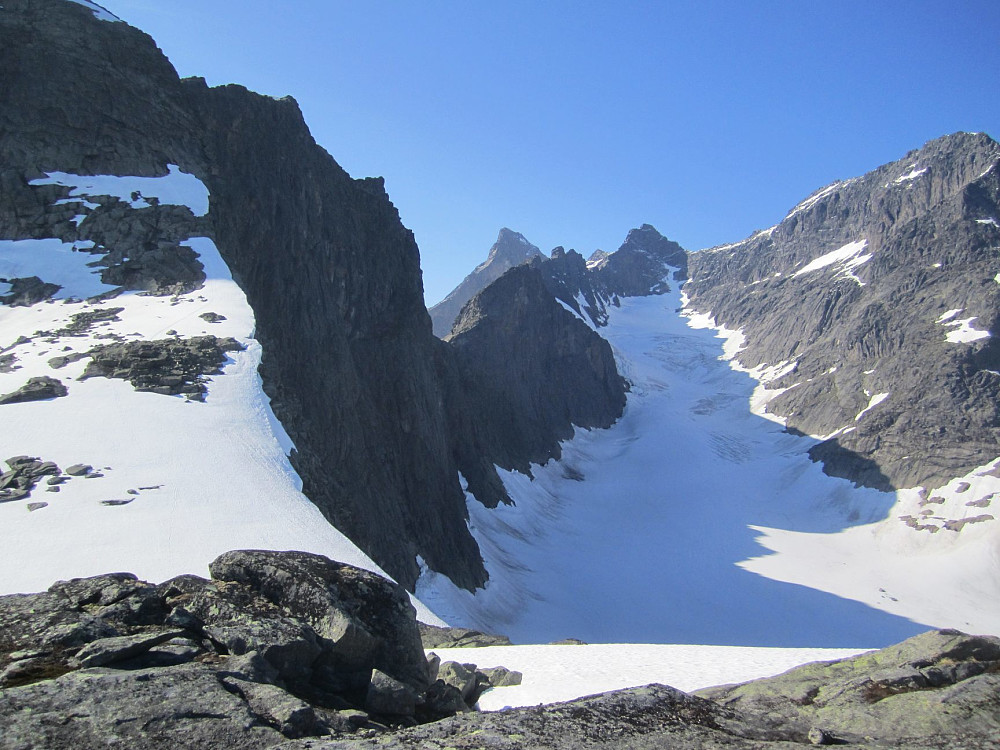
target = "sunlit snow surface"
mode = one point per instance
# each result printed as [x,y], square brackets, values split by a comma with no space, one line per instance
[562,673]
[661,542]
[199,478]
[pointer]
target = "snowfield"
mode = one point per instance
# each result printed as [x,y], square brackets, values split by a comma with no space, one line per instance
[192,480]
[557,673]
[698,521]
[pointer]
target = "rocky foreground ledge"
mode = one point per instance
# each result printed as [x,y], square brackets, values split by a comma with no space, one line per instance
[292,650]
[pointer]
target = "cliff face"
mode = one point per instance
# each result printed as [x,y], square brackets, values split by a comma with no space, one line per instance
[376,406]
[334,280]
[531,370]
[872,311]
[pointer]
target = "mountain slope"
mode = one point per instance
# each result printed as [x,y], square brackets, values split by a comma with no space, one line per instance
[695,518]
[96,134]
[867,314]
[511,249]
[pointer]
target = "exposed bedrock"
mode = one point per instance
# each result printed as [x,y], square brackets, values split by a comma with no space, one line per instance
[865,286]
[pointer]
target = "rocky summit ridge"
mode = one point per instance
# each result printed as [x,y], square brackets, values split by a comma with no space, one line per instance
[870,315]
[511,249]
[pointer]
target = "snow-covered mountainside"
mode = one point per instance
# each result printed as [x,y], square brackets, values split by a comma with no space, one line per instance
[103,151]
[168,456]
[700,517]
[868,315]
[511,249]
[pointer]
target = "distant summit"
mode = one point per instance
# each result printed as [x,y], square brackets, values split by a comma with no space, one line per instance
[511,249]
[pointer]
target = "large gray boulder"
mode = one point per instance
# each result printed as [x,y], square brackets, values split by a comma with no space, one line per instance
[362,620]
[278,645]
[938,684]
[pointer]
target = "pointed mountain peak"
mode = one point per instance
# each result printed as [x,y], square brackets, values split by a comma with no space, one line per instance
[647,241]
[512,246]
[511,249]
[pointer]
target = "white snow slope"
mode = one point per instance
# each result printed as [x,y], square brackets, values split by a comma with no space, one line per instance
[562,673]
[200,478]
[698,521]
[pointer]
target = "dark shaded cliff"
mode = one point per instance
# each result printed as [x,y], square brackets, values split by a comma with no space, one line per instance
[334,280]
[375,404]
[532,370]
[863,287]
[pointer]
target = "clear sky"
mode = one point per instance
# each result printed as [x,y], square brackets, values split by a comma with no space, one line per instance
[574,121]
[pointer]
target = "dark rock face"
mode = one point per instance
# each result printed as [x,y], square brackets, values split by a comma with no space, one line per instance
[535,370]
[40,388]
[637,268]
[348,354]
[350,363]
[645,264]
[861,285]
[511,249]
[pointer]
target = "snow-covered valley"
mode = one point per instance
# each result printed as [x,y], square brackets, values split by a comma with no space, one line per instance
[694,520]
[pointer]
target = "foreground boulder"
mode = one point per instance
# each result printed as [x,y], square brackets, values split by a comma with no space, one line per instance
[293,650]
[278,645]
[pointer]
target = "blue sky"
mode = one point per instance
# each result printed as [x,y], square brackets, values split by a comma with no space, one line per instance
[572,122]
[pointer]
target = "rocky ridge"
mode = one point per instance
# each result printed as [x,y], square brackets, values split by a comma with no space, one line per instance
[330,272]
[644,264]
[511,249]
[870,313]
[277,645]
[532,370]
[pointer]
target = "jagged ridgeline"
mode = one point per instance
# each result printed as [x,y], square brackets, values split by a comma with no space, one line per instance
[130,203]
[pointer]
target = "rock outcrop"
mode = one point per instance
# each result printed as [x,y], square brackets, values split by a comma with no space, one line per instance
[511,249]
[293,650]
[939,687]
[39,388]
[367,394]
[531,370]
[276,645]
[167,366]
[937,690]
[872,309]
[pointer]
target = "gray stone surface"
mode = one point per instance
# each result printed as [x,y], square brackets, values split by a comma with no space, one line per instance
[41,388]
[275,647]
[935,685]
[244,661]
[172,367]
[433,636]
[363,620]
[879,324]
[511,249]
